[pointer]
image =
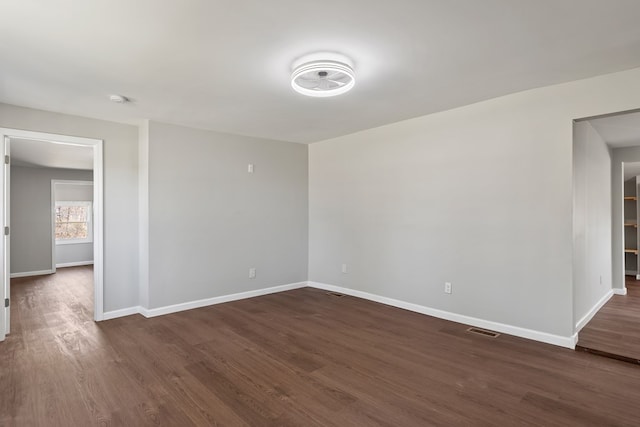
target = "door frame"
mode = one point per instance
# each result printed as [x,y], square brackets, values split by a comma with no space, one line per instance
[6,135]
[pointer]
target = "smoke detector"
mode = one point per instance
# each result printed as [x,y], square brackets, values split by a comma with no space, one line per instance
[322,75]
[118,99]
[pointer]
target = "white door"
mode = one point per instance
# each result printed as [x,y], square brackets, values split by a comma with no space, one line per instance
[5,323]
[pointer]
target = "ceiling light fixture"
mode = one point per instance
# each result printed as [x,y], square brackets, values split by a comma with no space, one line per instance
[323,75]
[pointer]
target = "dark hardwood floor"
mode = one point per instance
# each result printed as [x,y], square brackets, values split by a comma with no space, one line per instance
[296,358]
[615,330]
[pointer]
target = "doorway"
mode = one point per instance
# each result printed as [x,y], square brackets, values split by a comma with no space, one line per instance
[608,324]
[631,213]
[51,140]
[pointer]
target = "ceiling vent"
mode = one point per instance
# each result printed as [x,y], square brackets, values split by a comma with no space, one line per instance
[323,75]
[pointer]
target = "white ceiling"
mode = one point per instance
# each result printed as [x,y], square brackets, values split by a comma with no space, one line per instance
[225,64]
[25,152]
[622,130]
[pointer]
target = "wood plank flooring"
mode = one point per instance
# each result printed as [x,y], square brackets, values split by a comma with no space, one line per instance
[615,330]
[300,358]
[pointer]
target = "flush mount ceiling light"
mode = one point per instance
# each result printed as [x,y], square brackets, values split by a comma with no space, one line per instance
[322,75]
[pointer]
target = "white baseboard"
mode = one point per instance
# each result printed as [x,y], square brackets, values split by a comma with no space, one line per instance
[620,291]
[31,273]
[218,300]
[559,340]
[73,264]
[562,341]
[587,317]
[120,313]
[153,312]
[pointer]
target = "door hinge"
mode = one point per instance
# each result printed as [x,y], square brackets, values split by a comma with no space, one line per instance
[6,231]
[6,302]
[6,159]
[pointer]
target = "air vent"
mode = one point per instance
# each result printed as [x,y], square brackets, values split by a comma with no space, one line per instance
[483,332]
[335,294]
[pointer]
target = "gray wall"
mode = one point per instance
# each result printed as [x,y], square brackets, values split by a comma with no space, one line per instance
[480,196]
[73,253]
[31,232]
[592,274]
[210,220]
[618,157]
[120,192]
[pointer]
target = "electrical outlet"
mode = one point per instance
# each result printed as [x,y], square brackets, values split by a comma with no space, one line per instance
[250,168]
[252,273]
[447,287]
[344,268]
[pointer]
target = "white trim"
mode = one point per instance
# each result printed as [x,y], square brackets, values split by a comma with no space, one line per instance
[568,342]
[72,182]
[73,264]
[618,291]
[121,313]
[5,251]
[153,312]
[32,273]
[98,230]
[559,340]
[98,211]
[587,317]
[574,341]
[143,213]
[53,225]
[200,303]
[86,241]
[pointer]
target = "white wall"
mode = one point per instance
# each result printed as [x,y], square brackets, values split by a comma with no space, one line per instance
[592,275]
[120,192]
[31,232]
[210,220]
[480,196]
[73,253]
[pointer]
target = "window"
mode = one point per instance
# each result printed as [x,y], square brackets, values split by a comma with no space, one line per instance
[73,222]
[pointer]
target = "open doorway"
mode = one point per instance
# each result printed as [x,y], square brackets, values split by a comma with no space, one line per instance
[611,327]
[631,212]
[48,229]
